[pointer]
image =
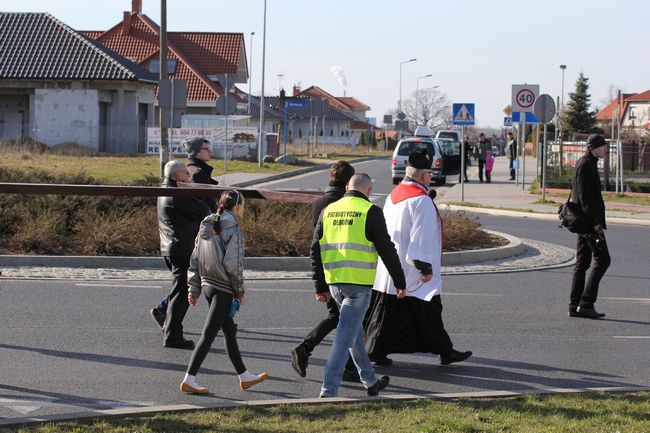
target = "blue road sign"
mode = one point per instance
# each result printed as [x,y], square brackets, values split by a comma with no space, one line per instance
[297,104]
[530,118]
[462,114]
[507,121]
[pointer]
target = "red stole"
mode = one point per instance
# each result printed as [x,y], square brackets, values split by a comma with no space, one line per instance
[408,190]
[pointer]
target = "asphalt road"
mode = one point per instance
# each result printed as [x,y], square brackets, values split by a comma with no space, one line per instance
[81,345]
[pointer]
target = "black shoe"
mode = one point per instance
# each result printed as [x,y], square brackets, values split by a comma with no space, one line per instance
[572,311]
[300,360]
[159,317]
[587,313]
[180,344]
[382,361]
[351,376]
[381,383]
[512,178]
[454,356]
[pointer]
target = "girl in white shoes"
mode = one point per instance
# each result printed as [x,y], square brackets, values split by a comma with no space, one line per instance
[217,269]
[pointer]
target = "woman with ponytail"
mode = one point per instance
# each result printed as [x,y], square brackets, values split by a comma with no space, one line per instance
[216,269]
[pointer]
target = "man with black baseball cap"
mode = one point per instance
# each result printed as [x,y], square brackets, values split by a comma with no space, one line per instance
[586,192]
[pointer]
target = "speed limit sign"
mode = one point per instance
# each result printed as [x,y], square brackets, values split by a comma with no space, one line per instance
[524,97]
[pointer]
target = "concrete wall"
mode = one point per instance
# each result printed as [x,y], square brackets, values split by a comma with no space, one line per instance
[66,115]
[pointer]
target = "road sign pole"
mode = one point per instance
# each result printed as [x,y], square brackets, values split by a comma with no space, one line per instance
[284,157]
[544,166]
[225,142]
[462,163]
[523,155]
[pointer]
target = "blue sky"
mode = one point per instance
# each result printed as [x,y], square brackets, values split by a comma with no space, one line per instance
[475,49]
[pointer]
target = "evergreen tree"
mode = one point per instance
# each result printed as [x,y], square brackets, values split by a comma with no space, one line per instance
[578,117]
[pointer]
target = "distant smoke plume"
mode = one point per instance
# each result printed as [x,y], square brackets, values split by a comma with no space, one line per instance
[339,73]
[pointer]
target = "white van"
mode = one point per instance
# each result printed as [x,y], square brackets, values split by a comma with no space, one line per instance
[450,134]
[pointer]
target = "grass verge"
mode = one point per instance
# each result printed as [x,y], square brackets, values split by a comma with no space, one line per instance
[593,412]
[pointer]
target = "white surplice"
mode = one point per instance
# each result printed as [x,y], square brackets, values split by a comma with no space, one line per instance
[415,227]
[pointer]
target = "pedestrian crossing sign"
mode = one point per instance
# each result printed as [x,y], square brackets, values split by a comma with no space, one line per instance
[462,114]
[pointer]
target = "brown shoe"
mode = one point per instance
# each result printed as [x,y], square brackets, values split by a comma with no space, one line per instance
[191,390]
[247,384]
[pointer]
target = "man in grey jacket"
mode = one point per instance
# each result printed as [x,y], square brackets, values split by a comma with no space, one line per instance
[178,224]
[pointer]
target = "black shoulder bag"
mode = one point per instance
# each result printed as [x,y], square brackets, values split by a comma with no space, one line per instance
[573,217]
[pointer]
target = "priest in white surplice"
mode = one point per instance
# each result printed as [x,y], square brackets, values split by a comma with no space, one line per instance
[414,323]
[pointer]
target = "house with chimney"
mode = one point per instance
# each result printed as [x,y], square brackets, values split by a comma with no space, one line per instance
[200,58]
[634,112]
[57,86]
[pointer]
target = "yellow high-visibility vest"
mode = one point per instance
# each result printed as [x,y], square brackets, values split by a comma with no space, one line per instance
[347,255]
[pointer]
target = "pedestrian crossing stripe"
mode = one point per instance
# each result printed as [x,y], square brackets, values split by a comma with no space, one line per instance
[463,115]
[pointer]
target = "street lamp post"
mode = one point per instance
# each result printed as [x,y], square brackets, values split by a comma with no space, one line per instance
[250,76]
[417,95]
[262,107]
[562,67]
[399,104]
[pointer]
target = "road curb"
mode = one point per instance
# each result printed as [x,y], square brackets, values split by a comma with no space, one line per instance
[179,408]
[514,248]
[536,215]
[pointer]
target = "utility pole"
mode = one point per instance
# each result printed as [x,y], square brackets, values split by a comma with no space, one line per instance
[164,141]
[261,135]
[250,76]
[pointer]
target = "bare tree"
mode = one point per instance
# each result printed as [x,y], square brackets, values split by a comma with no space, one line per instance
[433,109]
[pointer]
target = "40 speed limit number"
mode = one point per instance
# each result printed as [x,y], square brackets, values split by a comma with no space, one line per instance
[524,97]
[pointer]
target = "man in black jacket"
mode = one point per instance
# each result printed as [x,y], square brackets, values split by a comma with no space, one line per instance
[340,174]
[587,194]
[178,223]
[511,153]
[198,154]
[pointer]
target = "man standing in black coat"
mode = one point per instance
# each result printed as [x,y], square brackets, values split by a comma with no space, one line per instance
[340,174]
[587,194]
[511,153]
[178,223]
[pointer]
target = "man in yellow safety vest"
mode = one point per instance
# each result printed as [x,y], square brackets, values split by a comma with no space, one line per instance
[349,238]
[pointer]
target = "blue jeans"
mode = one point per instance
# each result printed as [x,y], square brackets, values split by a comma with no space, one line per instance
[353,301]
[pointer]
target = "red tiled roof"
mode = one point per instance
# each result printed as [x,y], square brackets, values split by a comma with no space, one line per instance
[198,54]
[353,103]
[645,96]
[317,92]
[607,112]
[212,53]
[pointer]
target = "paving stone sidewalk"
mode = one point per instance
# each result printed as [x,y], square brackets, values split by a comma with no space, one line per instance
[538,255]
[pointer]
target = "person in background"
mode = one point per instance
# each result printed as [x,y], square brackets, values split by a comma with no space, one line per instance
[586,192]
[489,165]
[199,152]
[511,153]
[217,270]
[482,148]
